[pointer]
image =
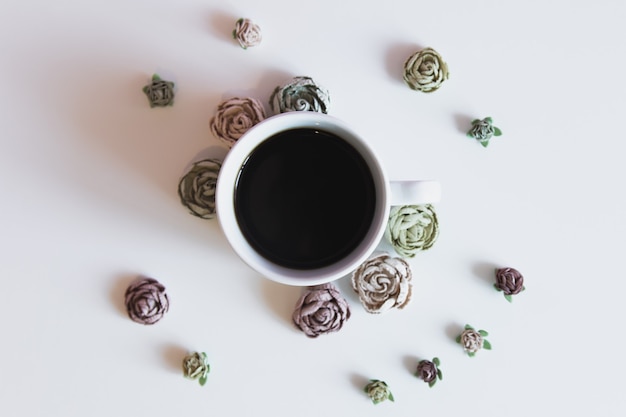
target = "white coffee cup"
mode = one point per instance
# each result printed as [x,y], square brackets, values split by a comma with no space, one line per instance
[386,194]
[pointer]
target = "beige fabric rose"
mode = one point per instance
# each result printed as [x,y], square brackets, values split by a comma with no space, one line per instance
[234,117]
[471,340]
[382,283]
[425,71]
[247,33]
[412,229]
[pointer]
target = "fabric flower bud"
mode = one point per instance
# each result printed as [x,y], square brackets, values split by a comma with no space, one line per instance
[234,117]
[160,92]
[320,310]
[197,188]
[429,371]
[146,301]
[473,340]
[378,391]
[196,366]
[382,283]
[483,130]
[300,94]
[247,33]
[510,281]
[412,229]
[425,71]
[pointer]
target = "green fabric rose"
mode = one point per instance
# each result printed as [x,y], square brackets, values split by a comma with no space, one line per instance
[425,71]
[412,229]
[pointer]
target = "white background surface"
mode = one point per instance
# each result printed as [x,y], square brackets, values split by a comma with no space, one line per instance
[88,176]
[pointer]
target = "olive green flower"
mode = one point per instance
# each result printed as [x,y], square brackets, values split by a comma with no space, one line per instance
[160,92]
[196,366]
[378,391]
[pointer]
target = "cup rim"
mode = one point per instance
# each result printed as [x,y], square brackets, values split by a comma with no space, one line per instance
[227,179]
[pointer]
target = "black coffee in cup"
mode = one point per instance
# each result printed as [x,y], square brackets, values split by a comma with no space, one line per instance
[305,198]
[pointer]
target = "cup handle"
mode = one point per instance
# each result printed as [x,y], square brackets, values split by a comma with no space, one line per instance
[414,192]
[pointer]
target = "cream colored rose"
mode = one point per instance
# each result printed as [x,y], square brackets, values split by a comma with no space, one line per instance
[425,71]
[247,33]
[382,283]
[234,117]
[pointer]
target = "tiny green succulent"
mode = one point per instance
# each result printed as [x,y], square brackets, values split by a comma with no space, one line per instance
[483,130]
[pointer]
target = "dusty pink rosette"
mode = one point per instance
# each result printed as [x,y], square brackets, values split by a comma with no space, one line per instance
[234,117]
[321,310]
[146,300]
[383,283]
[247,33]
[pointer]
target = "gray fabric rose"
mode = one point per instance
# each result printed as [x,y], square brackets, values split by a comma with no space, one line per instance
[425,71]
[160,92]
[234,117]
[146,301]
[429,371]
[300,94]
[378,391]
[412,229]
[247,33]
[196,366]
[383,283]
[197,188]
[510,281]
[320,310]
[473,340]
[483,130]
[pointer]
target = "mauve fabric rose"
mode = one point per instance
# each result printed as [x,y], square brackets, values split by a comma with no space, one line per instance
[197,188]
[425,71]
[412,229]
[509,280]
[471,340]
[427,371]
[300,94]
[234,117]
[320,310]
[146,301]
[382,283]
[247,33]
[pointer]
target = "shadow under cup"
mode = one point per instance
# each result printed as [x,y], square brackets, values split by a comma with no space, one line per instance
[302,199]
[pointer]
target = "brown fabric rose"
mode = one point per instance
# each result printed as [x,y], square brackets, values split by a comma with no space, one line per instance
[197,188]
[383,283]
[429,371]
[510,281]
[425,71]
[321,310]
[247,33]
[146,301]
[234,117]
